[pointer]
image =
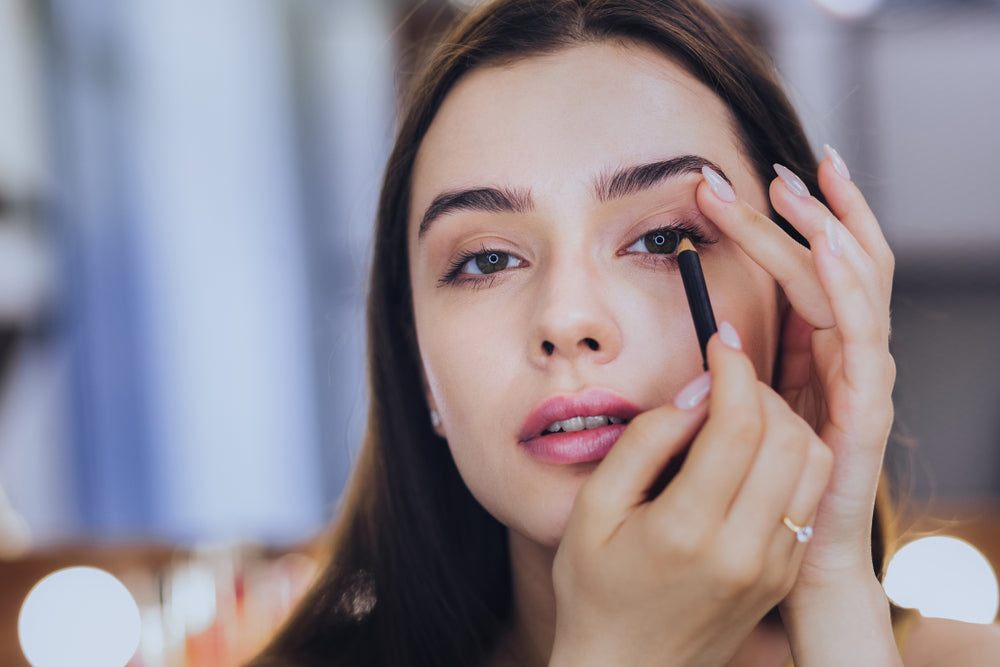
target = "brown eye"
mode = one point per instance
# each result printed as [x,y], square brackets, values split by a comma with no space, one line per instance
[661,241]
[492,261]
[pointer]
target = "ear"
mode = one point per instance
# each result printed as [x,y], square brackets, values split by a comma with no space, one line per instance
[434,415]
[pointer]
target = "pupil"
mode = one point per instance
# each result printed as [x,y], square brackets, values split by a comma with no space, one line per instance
[492,262]
[661,242]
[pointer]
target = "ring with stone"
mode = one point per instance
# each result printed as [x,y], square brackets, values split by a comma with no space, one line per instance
[802,533]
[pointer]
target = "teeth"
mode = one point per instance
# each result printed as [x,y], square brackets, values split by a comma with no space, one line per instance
[581,423]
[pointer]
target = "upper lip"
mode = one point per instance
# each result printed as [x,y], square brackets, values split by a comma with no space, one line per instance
[588,403]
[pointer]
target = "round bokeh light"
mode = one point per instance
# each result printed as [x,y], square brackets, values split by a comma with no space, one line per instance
[943,577]
[79,616]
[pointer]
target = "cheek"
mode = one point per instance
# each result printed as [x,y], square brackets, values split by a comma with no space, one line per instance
[466,354]
[747,297]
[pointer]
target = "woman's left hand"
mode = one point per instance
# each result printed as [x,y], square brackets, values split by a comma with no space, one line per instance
[835,366]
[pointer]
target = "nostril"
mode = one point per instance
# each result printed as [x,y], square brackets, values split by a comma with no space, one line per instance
[548,347]
[592,344]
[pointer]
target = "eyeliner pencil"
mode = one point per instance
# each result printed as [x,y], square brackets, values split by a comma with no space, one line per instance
[697,294]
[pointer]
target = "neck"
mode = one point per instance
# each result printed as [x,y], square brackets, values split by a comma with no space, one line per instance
[533,615]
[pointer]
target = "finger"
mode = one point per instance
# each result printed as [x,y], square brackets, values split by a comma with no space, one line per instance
[774,476]
[770,247]
[864,332]
[812,482]
[851,208]
[791,199]
[796,353]
[727,443]
[624,477]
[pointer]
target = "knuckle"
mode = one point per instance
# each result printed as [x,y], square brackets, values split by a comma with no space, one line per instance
[747,426]
[588,500]
[739,573]
[887,258]
[645,427]
[679,540]
[891,369]
[822,454]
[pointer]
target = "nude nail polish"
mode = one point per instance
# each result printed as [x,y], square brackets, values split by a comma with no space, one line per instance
[729,336]
[694,392]
[793,182]
[838,162]
[719,186]
[833,237]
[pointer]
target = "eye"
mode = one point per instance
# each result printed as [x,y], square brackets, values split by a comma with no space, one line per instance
[657,242]
[489,261]
[472,268]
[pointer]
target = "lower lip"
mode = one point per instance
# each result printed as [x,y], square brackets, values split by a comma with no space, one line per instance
[574,447]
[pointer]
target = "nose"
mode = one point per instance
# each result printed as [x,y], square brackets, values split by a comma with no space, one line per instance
[574,318]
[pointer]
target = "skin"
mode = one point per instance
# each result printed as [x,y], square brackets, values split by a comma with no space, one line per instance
[601,573]
[500,127]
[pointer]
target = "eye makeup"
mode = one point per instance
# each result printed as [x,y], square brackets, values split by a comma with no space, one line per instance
[697,294]
[661,244]
[658,247]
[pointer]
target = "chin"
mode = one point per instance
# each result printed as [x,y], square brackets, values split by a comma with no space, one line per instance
[549,516]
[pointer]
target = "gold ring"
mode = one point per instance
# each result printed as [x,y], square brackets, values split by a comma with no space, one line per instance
[802,533]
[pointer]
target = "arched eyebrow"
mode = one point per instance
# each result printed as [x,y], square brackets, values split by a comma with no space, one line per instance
[615,184]
[492,200]
[628,181]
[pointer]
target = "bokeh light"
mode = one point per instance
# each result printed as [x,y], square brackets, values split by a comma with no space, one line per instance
[79,616]
[944,577]
[850,9]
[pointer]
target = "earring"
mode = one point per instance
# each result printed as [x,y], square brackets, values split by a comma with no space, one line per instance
[435,419]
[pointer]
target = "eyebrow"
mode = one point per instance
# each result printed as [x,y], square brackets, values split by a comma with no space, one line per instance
[628,181]
[609,186]
[492,200]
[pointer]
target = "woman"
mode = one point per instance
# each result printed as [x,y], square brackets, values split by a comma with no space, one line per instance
[548,476]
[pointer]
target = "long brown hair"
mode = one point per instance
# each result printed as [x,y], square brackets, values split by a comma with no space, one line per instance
[418,572]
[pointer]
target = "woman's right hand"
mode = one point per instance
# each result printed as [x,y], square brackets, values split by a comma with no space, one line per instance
[683,578]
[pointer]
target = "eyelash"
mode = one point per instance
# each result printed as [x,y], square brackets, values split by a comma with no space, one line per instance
[453,275]
[682,229]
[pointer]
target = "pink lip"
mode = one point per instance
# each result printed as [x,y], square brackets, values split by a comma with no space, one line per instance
[579,446]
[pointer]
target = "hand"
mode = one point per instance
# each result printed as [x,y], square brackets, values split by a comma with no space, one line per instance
[682,578]
[836,370]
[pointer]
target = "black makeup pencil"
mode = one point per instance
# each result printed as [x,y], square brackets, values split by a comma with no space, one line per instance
[697,294]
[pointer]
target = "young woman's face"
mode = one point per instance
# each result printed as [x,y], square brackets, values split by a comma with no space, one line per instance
[544,280]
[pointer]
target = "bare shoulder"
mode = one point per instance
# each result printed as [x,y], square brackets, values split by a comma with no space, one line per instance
[934,642]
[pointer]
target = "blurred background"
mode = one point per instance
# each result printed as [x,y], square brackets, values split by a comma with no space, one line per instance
[186,192]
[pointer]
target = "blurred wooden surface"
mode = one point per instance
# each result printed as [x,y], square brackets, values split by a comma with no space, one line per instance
[976,522]
[17,577]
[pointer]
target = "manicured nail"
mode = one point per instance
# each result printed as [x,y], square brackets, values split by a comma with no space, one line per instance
[833,237]
[694,393]
[729,336]
[793,182]
[719,186]
[838,162]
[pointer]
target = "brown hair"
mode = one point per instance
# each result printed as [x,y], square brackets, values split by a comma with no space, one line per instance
[418,572]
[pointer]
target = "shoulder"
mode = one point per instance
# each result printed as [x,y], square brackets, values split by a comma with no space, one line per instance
[937,641]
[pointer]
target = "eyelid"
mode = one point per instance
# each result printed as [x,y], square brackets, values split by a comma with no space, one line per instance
[685,227]
[454,275]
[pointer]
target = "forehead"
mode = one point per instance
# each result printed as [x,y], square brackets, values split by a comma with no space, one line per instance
[556,120]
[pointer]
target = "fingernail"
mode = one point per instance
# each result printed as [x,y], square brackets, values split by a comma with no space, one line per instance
[833,237]
[694,393]
[719,186]
[838,162]
[729,336]
[793,182]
